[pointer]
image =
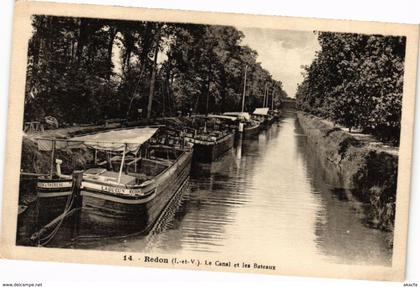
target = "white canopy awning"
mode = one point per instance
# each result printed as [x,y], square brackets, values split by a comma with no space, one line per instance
[261,111]
[211,116]
[239,115]
[116,140]
[223,117]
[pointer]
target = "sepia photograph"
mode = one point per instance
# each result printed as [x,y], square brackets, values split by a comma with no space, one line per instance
[168,139]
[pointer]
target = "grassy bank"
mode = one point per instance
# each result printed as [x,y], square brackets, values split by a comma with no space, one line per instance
[366,167]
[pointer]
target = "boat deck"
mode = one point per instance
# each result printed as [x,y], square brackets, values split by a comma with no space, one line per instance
[106,175]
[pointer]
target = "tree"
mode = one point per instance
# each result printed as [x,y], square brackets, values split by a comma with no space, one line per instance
[164,67]
[356,80]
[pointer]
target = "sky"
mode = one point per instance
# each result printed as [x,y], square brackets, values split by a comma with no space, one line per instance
[282,53]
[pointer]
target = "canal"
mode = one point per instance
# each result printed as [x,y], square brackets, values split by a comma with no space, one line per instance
[269,193]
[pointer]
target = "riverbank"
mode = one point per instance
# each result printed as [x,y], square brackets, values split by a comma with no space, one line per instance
[366,167]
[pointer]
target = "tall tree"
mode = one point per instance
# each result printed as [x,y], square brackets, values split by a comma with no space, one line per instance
[356,80]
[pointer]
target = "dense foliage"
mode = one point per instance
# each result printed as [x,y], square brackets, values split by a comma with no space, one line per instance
[357,81]
[83,70]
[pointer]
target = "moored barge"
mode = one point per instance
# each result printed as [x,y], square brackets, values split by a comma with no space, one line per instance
[213,138]
[139,182]
[247,126]
[261,115]
[54,190]
[210,148]
[55,185]
[251,129]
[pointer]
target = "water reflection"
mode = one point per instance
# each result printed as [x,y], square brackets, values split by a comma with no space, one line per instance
[341,234]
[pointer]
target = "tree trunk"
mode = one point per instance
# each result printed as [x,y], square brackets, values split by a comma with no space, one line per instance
[152,79]
[128,43]
[110,47]
[81,40]
[146,44]
[166,92]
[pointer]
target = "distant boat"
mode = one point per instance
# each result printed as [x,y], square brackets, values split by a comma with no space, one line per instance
[251,127]
[252,130]
[262,115]
[248,127]
[210,143]
[275,114]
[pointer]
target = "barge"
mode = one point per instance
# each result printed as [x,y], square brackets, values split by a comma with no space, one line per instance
[212,138]
[261,115]
[251,129]
[54,185]
[138,182]
[54,190]
[210,148]
[247,126]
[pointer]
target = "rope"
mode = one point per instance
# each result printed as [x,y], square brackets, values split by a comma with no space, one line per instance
[163,220]
[47,239]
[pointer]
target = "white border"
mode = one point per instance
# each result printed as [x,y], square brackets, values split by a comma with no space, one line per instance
[55,274]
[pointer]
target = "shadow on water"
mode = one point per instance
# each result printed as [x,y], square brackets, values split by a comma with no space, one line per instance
[79,232]
[341,231]
[216,191]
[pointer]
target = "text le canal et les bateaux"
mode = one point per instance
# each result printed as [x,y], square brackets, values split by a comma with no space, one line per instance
[197,262]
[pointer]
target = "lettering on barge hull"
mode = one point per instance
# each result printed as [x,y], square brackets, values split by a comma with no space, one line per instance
[112,189]
[54,185]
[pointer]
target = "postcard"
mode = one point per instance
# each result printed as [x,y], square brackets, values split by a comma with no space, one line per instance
[209,141]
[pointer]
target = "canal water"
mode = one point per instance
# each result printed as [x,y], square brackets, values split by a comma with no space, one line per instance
[269,193]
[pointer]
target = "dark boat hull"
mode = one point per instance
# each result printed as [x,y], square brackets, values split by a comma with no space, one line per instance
[251,131]
[136,215]
[54,187]
[264,124]
[54,195]
[210,151]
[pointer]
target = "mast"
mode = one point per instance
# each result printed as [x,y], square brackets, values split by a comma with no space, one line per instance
[152,84]
[272,99]
[122,163]
[52,158]
[243,96]
[265,93]
[208,95]
[266,99]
